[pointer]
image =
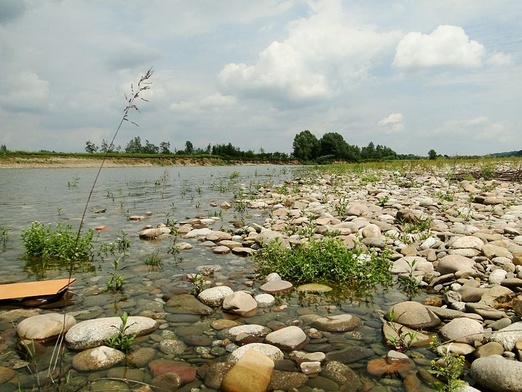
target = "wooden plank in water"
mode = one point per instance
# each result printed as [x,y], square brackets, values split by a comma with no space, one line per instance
[34,289]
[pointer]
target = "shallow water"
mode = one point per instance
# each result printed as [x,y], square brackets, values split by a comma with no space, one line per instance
[174,193]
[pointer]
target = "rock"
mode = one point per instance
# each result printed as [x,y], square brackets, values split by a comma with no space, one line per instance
[6,374]
[286,381]
[490,348]
[167,382]
[349,354]
[303,356]
[453,263]
[392,364]
[45,326]
[214,296]
[264,300]
[342,375]
[93,333]
[194,233]
[288,338]
[455,348]
[252,373]
[240,303]
[463,330]
[268,236]
[221,250]
[270,351]
[186,372]
[173,347]
[497,373]
[467,242]
[314,288]
[215,373]
[276,286]
[414,315]
[252,333]
[393,332]
[338,323]
[140,357]
[508,336]
[371,231]
[187,304]
[97,358]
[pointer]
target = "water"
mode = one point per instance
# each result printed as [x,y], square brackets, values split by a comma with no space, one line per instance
[176,194]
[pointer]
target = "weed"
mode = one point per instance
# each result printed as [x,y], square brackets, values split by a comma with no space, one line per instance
[402,340]
[117,280]
[381,201]
[123,243]
[198,284]
[409,284]
[326,260]
[154,260]
[122,340]
[448,369]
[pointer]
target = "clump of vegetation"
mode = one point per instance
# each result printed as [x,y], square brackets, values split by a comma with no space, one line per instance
[402,340]
[326,260]
[117,280]
[408,283]
[48,248]
[154,260]
[4,235]
[448,368]
[122,340]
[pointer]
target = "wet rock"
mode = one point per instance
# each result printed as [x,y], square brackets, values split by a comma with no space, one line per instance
[214,296]
[463,330]
[240,303]
[276,286]
[252,333]
[508,336]
[393,332]
[288,338]
[173,347]
[252,373]
[270,351]
[188,304]
[350,354]
[286,381]
[93,333]
[497,373]
[343,375]
[338,323]
[6,374]
[393,363]
[97,358]
[414,315]
[140,357]
[214,374]
[490,348]
[44,326]
[186,372]
[314,288]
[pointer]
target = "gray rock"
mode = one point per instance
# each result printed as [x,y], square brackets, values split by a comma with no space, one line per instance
[270,351]
[453,263]
[497,373]
[93,333]
[214,296]
[463,330]
[508,336]
[97,358]
[240,303]
[44,326]
[414,315]
[338,323]
[288,338]
[187,304]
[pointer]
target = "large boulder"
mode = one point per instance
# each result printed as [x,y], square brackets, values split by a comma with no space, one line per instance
[497,374]
[414,315]
[463,330]
[252,373]
[97,358]
[45,326]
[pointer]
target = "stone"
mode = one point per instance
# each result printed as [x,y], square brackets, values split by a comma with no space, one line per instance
[392,364]
[414,315]
[342,375]
[453,263]
[349,354]
[497,373]
[252,372]
[276,286]
[251,333]
[187,304]
[45,326]
[463,330]
[467,242]
[264,300]
[140,357]
[314,288]
[393,332]
[270,351]
[490,348]
[6,374]
[186,372]
[214,296]
[173,347]
[338,323]
[93,333]
[508,336]
[286,381]
[214,375]
[97,358]
[221,250]
[288,338]
[241,303]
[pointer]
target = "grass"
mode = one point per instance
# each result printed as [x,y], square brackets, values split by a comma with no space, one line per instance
[328,261]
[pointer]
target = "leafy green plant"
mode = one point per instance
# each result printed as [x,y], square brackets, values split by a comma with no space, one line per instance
[326,260]
[402,340]
[448,368]
[408,283]
[198,284]
[123,243]
[48,248]
[381,201]
[122,340]
[116,280]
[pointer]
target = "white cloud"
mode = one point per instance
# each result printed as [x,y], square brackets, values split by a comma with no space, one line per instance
[393,122]
[24,91]
[445,46]
[500,60]
[321,55]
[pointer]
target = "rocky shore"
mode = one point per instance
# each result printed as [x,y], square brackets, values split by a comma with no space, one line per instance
[459,241]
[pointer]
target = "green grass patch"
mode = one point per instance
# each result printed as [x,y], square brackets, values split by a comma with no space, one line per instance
[327,261]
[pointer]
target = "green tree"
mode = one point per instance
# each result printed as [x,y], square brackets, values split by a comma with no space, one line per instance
[90,147]
[105,147]
[333,144]
[134,146]
[189,147]
[432,154]
[306,146]
[164,147]
[150,148]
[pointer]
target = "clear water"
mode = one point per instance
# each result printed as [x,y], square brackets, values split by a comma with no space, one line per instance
[175,193]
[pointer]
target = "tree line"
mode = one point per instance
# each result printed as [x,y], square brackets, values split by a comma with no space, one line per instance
[332,147]
[135,146]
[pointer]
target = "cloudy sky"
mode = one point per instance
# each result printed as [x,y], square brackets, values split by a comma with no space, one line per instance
[409,74]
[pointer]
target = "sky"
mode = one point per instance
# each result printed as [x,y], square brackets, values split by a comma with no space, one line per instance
[413,75]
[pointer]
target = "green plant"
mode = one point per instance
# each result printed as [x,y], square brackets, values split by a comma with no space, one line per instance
[48,248]
[381,201]
[448,368]
[198,284]
[408,283]
[123,243]
[400,340]
[73,184]
[122,340]
[154,260]
[326,260]
[116,280]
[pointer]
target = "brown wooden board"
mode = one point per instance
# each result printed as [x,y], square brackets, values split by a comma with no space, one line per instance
[34,289]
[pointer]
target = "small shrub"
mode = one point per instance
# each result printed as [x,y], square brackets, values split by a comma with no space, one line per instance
[49,248]
[326,260]
[117,280]
[122,340]
[154,260]
[448,369]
